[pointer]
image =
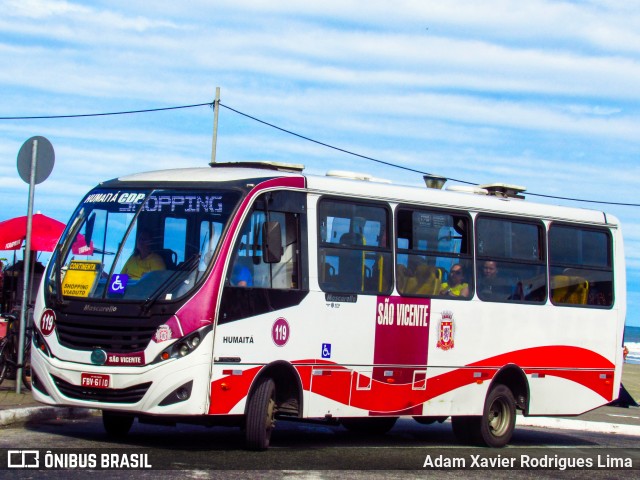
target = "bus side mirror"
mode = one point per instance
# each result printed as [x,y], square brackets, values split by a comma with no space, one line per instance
[272,248]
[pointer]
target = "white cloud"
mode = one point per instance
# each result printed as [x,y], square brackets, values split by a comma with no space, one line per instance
[541,93]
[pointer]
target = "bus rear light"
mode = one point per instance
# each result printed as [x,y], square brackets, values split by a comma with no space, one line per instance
[606,377]
[224,387]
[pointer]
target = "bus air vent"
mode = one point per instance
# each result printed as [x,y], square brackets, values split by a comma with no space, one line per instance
[356,176]
[265,165]
[467,189]
[503,190]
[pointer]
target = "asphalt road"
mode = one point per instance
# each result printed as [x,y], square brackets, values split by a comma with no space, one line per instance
[307,451]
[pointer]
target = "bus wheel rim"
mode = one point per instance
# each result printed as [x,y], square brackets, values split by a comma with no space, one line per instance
[498,418]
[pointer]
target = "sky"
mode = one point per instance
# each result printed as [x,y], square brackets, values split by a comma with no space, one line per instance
[542,94]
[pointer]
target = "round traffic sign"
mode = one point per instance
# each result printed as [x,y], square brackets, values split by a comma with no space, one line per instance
[45,158]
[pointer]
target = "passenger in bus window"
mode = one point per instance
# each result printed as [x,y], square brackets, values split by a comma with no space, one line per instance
[455,286]
[143,260]
[492,286]
[489,282]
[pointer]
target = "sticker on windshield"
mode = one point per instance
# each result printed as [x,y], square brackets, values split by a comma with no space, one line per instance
[81,278]
[118,283]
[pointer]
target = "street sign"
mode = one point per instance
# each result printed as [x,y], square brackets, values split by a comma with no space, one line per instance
[45,158]
[35,163]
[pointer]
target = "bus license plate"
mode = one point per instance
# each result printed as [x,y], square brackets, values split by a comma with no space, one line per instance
[95,380]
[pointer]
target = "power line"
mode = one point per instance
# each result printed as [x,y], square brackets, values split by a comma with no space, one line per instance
[127,112]
[303,137]
[321,143]
[413,170]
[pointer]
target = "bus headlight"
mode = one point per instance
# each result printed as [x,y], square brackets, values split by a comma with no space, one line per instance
[183,349]
[183,346]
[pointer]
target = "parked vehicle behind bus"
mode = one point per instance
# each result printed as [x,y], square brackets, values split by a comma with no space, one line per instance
[260,292]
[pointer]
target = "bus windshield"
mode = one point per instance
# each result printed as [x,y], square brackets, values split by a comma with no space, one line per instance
[139,244]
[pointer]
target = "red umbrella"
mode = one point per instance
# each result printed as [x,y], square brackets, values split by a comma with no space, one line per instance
[45,232]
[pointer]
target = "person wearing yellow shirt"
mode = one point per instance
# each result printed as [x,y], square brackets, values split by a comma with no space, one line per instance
[143,259]
[456,286]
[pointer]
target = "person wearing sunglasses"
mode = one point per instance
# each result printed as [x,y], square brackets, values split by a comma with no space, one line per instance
[455,286]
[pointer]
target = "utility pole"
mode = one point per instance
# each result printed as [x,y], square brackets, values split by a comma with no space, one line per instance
[216,108]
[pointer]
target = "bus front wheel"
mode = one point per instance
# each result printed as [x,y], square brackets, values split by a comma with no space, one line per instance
[261,415]
[116,425]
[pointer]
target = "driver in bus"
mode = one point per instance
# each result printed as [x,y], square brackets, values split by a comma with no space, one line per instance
[143,260]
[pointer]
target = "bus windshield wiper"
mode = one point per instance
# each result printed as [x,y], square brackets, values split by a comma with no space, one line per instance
[186,267]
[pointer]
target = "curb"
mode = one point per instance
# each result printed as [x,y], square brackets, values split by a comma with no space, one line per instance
[582,425]
[22,415]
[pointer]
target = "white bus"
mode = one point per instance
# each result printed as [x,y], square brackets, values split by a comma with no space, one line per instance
[244,293]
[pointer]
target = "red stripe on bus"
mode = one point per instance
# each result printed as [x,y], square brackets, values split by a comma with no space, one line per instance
[587,368]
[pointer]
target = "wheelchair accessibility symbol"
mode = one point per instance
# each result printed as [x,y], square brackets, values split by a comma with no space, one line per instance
[326,350]
[118,283]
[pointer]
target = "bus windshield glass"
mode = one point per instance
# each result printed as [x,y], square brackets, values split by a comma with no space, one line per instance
[139,244]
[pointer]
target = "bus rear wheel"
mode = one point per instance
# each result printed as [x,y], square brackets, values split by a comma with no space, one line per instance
[261,415]
[117,425]
[499,417]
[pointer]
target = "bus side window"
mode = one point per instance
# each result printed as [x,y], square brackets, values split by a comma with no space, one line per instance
[354,255]
[510,260]
[429,244]
[580,266]
[255,267]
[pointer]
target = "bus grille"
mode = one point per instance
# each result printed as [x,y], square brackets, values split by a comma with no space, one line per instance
[107,395]
[80,335]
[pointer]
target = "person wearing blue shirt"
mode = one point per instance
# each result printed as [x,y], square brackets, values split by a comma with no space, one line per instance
[241,276]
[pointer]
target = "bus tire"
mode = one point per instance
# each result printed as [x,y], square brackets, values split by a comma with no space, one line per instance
[369,425]
[499,417]
[117,425]
[261,415]
[465,428]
